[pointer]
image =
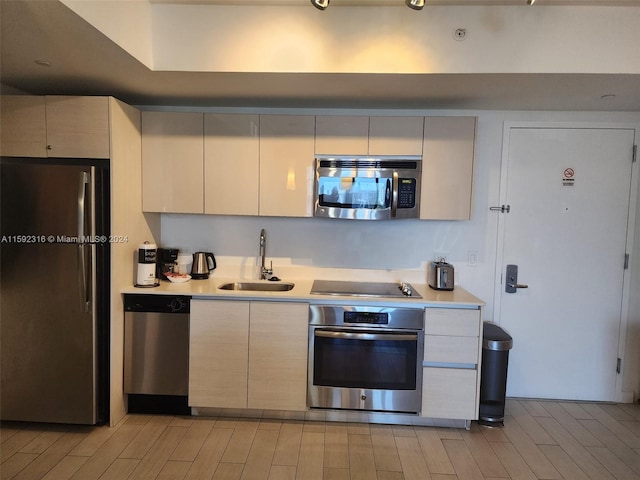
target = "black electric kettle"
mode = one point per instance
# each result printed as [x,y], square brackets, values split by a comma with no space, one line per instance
[203,263]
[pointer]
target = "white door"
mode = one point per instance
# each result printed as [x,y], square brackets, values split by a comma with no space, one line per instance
[568,192]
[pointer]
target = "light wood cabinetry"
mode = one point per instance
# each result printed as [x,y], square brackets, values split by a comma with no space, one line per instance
[452,355]
[23,130]
[231,164]
[447,168]
[77,127]
[55,126]
[286,165]
[342,135]
[234,164]
[395,135]
[218,353]
[362,135]
[126,219]
[278,341]
[172,162]
[449,393]
[248,354]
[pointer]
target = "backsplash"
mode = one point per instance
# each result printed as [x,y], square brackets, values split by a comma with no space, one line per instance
[332,249]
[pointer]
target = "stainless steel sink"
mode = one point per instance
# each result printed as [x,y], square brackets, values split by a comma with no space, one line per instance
[258,286]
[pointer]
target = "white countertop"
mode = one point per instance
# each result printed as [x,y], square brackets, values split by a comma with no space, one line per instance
[208,289]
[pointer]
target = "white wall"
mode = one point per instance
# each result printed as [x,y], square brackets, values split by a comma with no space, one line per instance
[401,244]
[395,39]
[200,37]
[127,23]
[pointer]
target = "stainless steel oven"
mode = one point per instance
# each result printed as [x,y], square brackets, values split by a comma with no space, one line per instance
[365,358]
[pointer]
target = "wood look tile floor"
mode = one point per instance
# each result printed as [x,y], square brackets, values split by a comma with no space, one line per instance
[540,440]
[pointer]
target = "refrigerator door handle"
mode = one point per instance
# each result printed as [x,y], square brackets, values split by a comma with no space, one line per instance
[82,264]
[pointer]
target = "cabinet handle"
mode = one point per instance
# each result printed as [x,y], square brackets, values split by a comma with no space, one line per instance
[49,147]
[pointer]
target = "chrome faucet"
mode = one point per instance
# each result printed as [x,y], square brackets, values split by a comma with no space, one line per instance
[264,271]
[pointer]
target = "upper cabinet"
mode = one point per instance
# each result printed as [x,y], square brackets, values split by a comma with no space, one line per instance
[395,135]
[231,164]
[55,126]
[361,135]
[77,127]
[172,162]
[342,135]
[447,168]
[243,164]
[24,131]
[286,165]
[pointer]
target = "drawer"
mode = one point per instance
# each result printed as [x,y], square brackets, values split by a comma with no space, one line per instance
[447,349]
[452,321]
[449,393]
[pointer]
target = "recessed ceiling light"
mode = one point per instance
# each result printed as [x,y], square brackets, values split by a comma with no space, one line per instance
[42,63]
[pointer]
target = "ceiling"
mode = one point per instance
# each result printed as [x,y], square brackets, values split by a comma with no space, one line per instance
[83,61]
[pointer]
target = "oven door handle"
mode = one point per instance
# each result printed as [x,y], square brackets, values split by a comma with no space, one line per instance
[366,336]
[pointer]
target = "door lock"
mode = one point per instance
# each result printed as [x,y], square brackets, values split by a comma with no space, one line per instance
[512,285]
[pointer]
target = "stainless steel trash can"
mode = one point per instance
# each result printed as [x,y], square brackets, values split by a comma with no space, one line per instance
[496,344]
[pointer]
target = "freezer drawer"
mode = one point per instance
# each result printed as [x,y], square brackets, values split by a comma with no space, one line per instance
[156,356]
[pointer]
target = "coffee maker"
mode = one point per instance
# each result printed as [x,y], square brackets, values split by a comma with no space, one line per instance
[167,260]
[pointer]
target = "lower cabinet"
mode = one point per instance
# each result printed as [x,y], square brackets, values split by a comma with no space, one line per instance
[449,393]
[246,354]
[278,343]
[452,356]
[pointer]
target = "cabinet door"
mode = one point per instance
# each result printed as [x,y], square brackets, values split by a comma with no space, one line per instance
[286,165]
[452,321]
[278,356]
[218,353]
[447,168]
[231,164]
[449,393]
[77,127]
[395,135]
[447,349]
[172,162]
[342,135]
[23,132]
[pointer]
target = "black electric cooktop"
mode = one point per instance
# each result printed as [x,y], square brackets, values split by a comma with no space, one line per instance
[363,289]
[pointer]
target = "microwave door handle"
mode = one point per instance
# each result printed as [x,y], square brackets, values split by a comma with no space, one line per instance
[394,197]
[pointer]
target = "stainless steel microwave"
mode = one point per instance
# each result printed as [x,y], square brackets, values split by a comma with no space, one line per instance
[367,187]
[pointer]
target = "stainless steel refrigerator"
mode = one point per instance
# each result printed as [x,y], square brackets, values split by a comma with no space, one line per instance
[54,290]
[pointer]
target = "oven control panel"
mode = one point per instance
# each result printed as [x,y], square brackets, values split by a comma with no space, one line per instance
[374,318]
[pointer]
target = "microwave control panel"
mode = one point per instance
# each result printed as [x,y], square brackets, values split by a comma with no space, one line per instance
[406,193]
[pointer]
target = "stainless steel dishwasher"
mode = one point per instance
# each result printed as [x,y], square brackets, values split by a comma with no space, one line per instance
[156,353]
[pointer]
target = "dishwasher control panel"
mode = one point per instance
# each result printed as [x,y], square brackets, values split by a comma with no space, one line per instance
[157,303]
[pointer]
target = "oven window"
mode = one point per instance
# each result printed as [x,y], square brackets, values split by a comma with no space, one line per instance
[373,364]
[354,192]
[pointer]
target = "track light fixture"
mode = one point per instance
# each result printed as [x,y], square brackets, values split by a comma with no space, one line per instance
[320,4]
[531,2]
[415,4]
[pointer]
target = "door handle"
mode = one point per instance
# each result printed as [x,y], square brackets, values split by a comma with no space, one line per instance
[394,195]
[512,285]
